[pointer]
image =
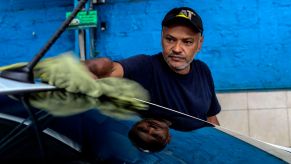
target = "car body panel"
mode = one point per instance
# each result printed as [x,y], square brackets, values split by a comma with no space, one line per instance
[12,87]
[101,138]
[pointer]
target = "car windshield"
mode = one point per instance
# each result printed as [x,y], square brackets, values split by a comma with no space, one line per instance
[62,126]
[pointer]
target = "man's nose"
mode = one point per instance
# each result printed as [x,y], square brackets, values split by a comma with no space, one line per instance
[177,48]
[151,130]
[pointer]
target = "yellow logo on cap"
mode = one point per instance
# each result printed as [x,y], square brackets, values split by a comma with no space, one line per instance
[186,14]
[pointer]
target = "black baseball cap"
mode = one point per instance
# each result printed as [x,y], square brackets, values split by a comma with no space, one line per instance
[183,15]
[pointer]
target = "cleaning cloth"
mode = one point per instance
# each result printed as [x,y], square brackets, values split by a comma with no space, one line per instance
[61,103]
[67,72]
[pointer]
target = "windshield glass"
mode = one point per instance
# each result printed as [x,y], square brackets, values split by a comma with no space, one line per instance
[108,130]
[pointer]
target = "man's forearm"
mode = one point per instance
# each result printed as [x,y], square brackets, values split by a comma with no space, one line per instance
[101,67]
[104,67]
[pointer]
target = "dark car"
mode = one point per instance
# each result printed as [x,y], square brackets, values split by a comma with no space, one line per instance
[61,127]
[41,124]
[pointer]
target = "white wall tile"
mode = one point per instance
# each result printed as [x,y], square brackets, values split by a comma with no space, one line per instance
[232,101]
[267,100]
[289,125]
[289,99]
[270,125]
[236,121]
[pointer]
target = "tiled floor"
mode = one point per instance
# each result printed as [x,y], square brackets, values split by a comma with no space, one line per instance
[264,115]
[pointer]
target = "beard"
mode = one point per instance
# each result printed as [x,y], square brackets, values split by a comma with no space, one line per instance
[181,58]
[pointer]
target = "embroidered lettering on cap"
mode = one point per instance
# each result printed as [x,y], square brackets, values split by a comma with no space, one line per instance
[186,14]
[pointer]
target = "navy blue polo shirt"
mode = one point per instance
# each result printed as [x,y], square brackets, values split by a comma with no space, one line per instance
[192,94]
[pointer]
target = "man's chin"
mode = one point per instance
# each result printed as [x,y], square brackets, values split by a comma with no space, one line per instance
[178,67]
[175,64]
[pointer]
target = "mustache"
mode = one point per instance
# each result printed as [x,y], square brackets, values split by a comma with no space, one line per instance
[172,54]
[154,124]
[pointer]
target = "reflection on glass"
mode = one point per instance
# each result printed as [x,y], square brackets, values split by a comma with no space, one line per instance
[150,134]
[61,103]
[105,135]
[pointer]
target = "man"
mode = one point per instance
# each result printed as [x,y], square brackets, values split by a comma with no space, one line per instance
[173,77]
[150,135]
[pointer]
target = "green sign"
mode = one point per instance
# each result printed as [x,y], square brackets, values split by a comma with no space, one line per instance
[83,19]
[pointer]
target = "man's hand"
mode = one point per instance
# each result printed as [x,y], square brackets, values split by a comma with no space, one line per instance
[101,67]
[213,120]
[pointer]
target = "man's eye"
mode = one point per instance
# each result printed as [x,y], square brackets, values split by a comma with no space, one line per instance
[158,137]
[187,42]
[169,39]
[142,129]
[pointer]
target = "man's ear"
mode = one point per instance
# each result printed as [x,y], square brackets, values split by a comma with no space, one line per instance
[201,40]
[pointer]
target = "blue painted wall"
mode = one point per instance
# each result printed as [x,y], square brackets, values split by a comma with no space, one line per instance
[247,44]
[26,26]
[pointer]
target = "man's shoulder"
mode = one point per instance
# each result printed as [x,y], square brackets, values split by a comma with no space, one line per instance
[144,56]
[147,56]
[200,63]
[141,61]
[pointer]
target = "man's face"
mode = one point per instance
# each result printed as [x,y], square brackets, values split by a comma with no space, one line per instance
[180,45]
[152,130]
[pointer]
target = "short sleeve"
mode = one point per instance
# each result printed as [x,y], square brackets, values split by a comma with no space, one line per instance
[215,107]
[138,68]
